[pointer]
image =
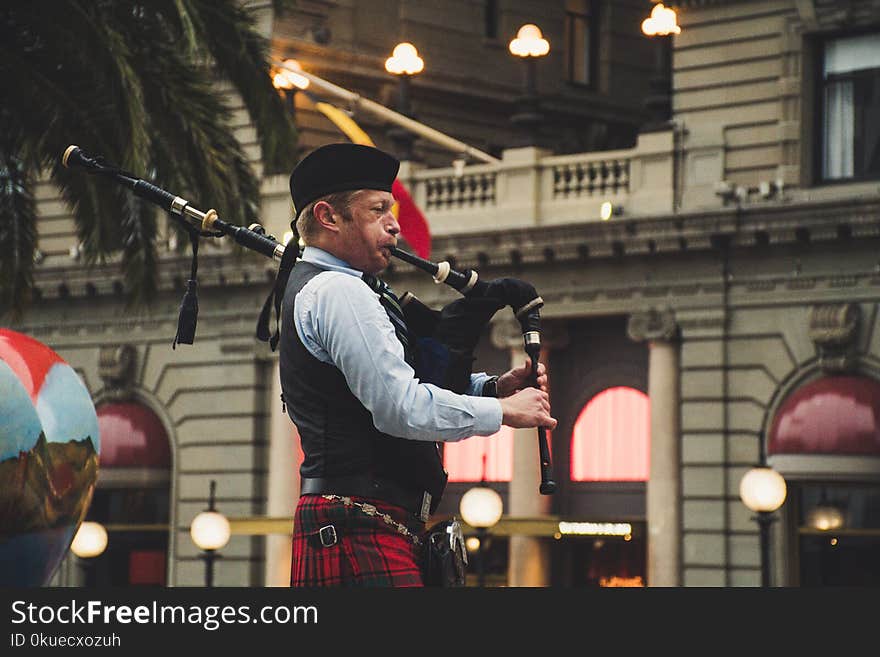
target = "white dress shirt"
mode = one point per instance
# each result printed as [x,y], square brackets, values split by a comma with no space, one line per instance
[341,321]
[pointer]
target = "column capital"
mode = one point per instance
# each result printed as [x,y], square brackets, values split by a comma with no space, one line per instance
[653,324]
[506,334]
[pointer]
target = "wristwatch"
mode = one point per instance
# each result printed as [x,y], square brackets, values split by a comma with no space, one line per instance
[490,387]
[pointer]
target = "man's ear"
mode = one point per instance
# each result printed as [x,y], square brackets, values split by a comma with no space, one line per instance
[323,212]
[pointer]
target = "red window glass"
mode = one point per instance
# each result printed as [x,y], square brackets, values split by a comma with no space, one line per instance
[612,437]
[146,567]
[463,460]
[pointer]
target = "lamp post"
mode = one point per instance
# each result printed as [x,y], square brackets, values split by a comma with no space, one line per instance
[763,490]
[210,531]
[288,81]
[404,63]
[481,508]
[89,542]
[529,45]
[661,25]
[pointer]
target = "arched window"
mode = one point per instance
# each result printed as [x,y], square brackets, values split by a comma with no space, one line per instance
[463,460]
[831,415]
[133,490]
[612,437]
[825,441]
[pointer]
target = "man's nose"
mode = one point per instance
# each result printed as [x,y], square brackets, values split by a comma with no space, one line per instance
[392,226]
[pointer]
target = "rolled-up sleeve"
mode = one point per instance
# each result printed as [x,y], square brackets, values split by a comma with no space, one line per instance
[340,321]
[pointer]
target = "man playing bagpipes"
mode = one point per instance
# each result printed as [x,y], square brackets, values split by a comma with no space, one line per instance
[372,387]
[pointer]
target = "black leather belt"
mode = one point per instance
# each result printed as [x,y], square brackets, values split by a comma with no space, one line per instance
[419,503]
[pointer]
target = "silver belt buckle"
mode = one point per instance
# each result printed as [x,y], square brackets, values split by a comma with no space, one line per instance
[328,536]
[425,513]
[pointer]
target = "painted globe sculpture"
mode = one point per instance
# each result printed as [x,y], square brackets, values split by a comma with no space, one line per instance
[49,449]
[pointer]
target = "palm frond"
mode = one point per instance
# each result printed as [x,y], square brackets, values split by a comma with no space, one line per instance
[96,211]
[194,147]
[140,259]
[130,82]
[188,31]
[241,54]
[124,86]
[18,236]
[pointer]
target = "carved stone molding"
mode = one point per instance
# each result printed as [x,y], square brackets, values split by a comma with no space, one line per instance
[702,322]
[652,325]
[116,367]
[582,242]
[506,333]
[834,329]
[837,14]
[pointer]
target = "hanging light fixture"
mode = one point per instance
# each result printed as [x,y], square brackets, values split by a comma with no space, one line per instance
[825,518]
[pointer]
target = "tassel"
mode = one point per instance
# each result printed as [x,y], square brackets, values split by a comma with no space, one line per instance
[189,305]
[276,296]
[263,334]
[189,314]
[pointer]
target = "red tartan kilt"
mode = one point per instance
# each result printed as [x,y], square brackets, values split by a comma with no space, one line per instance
[368,552]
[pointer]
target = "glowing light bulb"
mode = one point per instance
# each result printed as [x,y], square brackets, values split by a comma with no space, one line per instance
[663,22]
[404,60]
[529,42]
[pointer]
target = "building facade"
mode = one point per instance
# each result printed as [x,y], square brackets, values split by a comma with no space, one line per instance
[733,284]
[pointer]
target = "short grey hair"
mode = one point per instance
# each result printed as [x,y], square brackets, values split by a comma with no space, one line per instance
[307,224]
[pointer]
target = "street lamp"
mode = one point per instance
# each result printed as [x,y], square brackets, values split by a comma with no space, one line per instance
[89,542]
[404,63]
[661,24]
[763,490]
[529,45]
[287,81]
[481,508]
[210,531]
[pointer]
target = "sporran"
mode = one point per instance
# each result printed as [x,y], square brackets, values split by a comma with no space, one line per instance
[444,556]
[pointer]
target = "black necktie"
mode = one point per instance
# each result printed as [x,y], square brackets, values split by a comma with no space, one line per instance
[392,306]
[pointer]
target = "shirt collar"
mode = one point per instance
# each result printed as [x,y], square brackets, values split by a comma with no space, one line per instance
[327,260]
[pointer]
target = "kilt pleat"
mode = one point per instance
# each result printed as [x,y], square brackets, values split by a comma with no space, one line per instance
[368,552]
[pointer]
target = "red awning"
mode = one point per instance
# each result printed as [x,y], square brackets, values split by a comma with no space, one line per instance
[132,436]
[832,415]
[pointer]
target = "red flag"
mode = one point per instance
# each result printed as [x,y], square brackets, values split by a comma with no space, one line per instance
[413,225]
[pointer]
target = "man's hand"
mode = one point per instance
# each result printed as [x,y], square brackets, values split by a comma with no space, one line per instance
[527,408]
[516,379]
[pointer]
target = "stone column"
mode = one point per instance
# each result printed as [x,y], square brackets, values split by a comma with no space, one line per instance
[528,556]
[283,483]
[664,483]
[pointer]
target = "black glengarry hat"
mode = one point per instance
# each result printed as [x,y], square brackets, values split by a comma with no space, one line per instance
[341,167]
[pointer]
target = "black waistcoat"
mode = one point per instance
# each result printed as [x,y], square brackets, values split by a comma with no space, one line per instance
[337,432]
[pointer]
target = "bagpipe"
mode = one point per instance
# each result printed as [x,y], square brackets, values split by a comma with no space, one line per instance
[447,338]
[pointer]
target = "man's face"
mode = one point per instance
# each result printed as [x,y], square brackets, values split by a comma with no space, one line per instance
[365,240]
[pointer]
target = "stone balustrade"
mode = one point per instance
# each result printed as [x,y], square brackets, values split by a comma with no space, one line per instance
[531,187]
